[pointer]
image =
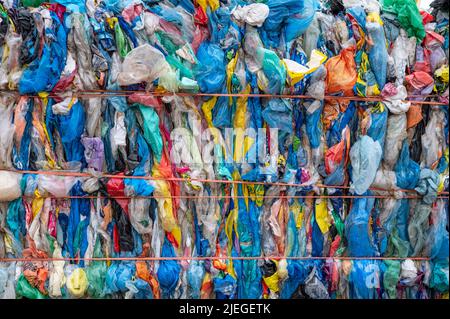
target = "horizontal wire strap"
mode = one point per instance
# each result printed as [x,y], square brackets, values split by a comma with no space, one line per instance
[187,258]
[106,93]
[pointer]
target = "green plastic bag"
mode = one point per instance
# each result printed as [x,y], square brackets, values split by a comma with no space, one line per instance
[439,276]
[96,274]
[408,16]
[177,65]
[151,130]
[32,3]
[24,289]
[121,41]
[391,277]
[166,42]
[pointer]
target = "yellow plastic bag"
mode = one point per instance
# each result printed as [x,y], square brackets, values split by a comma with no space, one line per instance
[322,218]
[296,72]
[77,283]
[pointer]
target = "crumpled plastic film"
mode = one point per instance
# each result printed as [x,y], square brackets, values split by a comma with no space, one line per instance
[142,158]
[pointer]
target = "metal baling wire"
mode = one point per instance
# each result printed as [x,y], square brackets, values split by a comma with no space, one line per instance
[106,93]
[182,258]
[223,197]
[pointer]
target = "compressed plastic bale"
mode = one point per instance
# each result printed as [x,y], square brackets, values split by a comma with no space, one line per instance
[439,278]
[310,149]
[365,157]
[391,276]
[10,186]
[432,139]
[56,277]
[151,130]
[385,179]
[142,64]
[417,228]
[278,114]
[118,275]
[314,288]
[311,36]
[138,289]
[93,152]
[427,185]
[6,135]
[195,275]
[10,71]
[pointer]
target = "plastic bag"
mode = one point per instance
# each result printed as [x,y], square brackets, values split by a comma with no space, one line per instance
[395,102]
[365,157]
[58,186]
[43,74]
[395,135]
[407,171]
[142,64]
[151,130]
[341,71]
[273,70]
[77,283]
[299,21]
[210,73]
[253,14]
[378,55]
[10,186]
[408,16]
[296,72]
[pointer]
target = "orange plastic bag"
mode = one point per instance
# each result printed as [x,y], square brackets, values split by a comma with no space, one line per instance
[414,115]
[341,72]
[338,152]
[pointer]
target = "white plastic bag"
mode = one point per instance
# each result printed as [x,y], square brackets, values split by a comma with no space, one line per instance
[9,186]
[6,134]
[142,64]
[254,14]
[58,186]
